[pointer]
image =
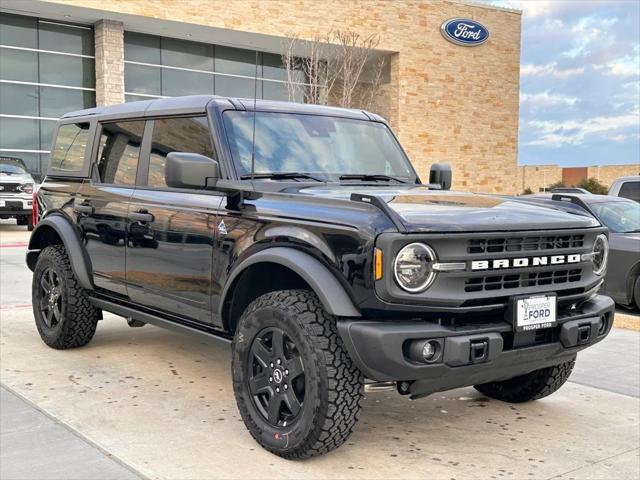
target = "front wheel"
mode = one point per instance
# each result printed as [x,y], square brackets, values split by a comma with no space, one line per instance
[530,386]
[298,392]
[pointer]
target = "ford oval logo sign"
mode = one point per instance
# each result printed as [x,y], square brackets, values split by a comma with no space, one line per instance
[463,31]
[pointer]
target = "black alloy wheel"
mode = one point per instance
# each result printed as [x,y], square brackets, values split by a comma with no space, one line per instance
[276,377]
[51,297]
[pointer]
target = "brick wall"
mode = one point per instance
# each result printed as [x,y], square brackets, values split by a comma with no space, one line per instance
[447,103]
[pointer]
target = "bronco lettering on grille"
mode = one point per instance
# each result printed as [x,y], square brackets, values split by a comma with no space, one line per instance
[499,263]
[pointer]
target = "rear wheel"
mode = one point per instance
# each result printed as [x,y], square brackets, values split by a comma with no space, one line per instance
[64,316]
[636,292]
[297,390]
[531,386]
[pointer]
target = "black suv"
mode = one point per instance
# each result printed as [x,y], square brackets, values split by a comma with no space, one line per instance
[303,235]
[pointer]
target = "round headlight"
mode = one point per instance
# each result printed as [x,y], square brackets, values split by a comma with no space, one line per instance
[412,267]
[600,254]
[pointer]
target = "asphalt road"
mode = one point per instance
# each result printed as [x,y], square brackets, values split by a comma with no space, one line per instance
[161,404]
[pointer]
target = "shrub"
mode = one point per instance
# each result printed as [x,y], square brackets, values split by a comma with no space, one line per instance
[594,185]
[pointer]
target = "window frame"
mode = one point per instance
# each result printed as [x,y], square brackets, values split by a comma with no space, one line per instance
[86,166]
[142,176]
[145,147]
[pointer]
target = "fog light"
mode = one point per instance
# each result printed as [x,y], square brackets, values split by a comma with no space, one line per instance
[429,351]
[425,351]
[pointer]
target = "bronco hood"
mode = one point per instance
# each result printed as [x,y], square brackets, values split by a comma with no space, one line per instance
[422,210]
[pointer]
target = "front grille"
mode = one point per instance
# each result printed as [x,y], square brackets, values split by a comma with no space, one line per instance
[524,244]
[9,188]
[518,280]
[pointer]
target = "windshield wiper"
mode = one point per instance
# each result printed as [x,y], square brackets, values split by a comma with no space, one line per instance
[280,176]
[372,176]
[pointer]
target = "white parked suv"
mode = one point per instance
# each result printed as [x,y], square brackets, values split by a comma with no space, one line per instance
[626,187]
[16,191]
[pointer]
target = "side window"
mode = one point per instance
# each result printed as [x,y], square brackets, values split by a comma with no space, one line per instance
[176,135]
[630,190]
[119,152]
[70,146]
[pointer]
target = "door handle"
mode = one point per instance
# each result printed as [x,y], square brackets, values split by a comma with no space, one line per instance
[83,209]
[142,216]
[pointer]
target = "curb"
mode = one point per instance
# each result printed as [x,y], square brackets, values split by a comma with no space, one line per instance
[626,321]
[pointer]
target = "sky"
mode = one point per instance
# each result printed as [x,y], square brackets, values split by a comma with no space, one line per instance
[579,81]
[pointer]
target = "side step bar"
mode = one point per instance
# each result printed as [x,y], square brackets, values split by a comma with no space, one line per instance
[176,325]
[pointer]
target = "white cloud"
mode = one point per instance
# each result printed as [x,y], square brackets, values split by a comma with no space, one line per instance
[547,99]
[574,132]
[624,67]
[549,69]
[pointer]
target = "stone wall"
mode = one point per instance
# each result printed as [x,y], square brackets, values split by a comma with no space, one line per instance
[608,173]
[447,103]
[109,45]
[535,176]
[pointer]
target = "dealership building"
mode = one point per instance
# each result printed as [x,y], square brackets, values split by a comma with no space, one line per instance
[447,102]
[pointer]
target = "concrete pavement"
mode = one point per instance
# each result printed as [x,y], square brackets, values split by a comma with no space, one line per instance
[162,404]
[60,453]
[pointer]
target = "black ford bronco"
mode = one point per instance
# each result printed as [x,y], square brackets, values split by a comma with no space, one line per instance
[303,235]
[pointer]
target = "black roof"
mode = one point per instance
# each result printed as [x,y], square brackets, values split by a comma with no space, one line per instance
[199,104]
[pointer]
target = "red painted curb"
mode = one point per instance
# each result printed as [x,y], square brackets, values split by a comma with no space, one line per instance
[9,306]
[13,245]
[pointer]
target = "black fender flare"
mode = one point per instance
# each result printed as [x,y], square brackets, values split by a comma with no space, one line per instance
[80,262]
[333,296]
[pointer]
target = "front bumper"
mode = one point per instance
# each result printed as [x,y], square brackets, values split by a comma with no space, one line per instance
[15,205]
[379,348]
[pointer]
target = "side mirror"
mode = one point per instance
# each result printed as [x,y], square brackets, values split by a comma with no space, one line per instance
[440,174]
[190,170]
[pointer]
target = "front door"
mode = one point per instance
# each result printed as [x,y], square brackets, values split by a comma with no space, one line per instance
[172,231]
[102,203]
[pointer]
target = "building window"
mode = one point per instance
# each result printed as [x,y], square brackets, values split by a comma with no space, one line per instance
[46,69]
[158,67]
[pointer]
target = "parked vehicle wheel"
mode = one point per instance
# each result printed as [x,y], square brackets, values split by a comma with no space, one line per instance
[531,386]
[30,225]
[297,389]
[636,292]
[22,220]
[64,316]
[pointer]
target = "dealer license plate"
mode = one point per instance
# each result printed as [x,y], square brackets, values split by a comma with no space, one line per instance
[537,312]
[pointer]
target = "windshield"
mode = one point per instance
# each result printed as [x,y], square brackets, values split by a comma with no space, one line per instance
[322,146]
[11,168]
[619,217]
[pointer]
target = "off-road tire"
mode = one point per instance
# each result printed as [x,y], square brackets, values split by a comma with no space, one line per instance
[78,316]
[531,386]
[333,384]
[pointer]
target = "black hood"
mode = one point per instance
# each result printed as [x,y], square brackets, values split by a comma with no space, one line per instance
[423,210]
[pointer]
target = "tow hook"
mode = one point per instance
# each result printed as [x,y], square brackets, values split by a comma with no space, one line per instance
[404,387]
[132,322]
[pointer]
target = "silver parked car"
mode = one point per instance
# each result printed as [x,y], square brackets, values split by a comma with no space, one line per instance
[626,187]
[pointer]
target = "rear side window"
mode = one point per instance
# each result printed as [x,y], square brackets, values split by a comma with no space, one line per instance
[176,135]
[630,190]
[70,146]
[119,152]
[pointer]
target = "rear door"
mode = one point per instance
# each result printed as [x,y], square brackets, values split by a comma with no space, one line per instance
[102,202]
[170,246]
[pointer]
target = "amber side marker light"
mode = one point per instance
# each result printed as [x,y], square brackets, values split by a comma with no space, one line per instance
[377,264]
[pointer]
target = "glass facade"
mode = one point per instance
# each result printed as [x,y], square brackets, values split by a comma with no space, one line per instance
[46,69]
[167,67]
